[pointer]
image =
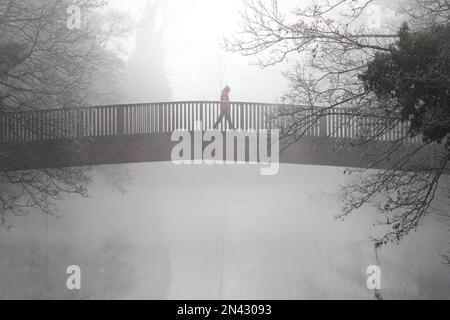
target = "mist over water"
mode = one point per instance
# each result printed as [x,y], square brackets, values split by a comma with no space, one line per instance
[216,232]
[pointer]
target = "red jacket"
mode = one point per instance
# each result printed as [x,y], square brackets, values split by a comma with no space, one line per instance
[224,101]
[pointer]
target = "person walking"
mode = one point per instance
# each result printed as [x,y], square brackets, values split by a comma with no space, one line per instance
[224,108]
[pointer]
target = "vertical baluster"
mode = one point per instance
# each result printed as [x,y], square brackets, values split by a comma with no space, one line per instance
[185,121]
[169,117]
[183,116]
[88,121]
[99,121]
[95,122]
[107,120]
[165,118]
[196,107]
[129,123]
[141,119]
[208,116]
[135,118]
[112,121]
[255,117]
[137,124]
[116,121]
[188,121]
[240,111]
[138,119]
[190,107]
[251,117]
[151,120]
[248,115]
[261,117]
[174,115]
[334,123]
[179,116]
[167,107]
[212,114]
[126,119]
[129,120]
[146,118]
[161,118]
[155,106]
[149,117]
[178,125]
[195,115]
[265,124]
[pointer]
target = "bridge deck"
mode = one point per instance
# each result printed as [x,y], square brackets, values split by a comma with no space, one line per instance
[141,132]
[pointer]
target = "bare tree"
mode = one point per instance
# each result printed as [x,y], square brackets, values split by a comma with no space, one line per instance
[46,64]
[340,67]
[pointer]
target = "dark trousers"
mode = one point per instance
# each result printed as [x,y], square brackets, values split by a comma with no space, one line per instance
[224,114]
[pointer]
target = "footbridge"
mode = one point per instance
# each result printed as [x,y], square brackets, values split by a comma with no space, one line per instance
[142,133]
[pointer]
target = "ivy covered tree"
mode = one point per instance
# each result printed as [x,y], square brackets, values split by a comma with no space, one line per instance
[392,76]
[413,81]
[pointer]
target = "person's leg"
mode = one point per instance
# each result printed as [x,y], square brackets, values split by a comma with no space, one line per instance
[216,124]
[228,118]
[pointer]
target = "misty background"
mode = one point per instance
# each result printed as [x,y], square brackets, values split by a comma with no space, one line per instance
[160,231]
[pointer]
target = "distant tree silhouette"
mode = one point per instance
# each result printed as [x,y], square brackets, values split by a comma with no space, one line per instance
[146,74]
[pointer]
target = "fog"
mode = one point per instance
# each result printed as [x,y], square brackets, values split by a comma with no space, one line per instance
[217,232]
[161,231]
[196,65]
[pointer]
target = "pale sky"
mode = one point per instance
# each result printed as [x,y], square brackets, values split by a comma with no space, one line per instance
[196,63]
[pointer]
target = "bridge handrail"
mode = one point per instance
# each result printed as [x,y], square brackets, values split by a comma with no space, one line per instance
[157,117]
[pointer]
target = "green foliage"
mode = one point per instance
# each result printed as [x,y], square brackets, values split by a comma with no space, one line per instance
[412,80]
